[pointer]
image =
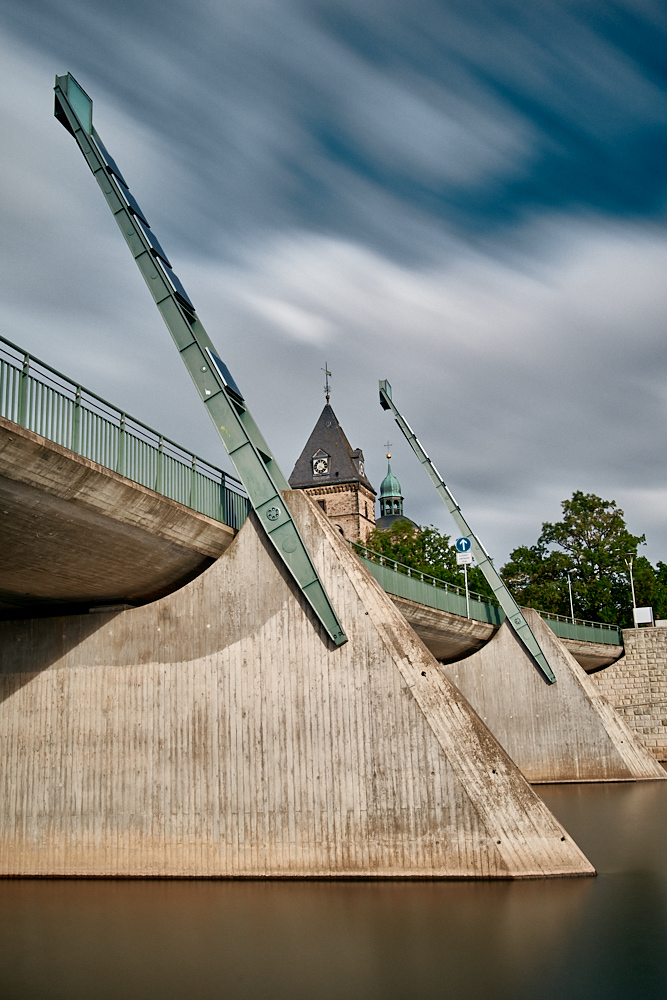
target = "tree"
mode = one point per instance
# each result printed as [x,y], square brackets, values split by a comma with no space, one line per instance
[592,538]
[651,585]
[425,550]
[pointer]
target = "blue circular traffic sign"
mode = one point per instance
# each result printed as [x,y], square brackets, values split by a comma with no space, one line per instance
[463,544]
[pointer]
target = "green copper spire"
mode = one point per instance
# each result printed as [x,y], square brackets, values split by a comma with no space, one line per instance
[391,498]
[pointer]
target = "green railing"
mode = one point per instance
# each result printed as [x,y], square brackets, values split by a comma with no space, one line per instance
[45,401]
[402,581]
[581,629]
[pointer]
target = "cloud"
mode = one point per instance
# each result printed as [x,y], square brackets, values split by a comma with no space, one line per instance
[368,123]
[467,199]
[298,323]
[524,385]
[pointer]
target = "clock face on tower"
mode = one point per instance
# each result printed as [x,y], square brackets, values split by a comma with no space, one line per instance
[320,466]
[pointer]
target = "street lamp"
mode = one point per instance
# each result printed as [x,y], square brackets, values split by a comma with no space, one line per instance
[629,558]
[569,587]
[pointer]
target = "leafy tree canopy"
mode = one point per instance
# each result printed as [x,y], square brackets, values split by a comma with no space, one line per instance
[592,539]
[426,550]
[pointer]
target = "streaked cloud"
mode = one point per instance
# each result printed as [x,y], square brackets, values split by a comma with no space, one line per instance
[468,199]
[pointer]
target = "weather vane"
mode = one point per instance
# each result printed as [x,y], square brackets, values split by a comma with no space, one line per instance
[327,376]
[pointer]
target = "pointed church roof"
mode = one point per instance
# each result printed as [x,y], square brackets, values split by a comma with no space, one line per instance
[390,486]
[345,464]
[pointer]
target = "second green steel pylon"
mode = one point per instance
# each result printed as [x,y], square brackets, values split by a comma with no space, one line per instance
[512,610]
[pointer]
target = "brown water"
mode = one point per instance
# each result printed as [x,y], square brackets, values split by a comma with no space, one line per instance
[592,939]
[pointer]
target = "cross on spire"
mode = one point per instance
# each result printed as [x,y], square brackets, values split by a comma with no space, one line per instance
[327,376]
[388,446]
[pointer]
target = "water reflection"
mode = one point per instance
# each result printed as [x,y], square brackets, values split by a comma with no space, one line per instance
[588,938]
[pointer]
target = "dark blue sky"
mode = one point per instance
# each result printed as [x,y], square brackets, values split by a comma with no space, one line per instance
[472,115]
[468,198]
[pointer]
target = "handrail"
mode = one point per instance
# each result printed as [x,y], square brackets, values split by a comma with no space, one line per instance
[417,574]
[79,388]
[568,620]
[40,398]
[435,581]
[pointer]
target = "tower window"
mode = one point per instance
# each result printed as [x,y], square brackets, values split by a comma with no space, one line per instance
[323,505]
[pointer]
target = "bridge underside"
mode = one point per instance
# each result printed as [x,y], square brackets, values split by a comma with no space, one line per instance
[74,535]
[450,637]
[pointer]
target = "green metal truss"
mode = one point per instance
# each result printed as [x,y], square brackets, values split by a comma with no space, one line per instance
[252,457]
[508,604]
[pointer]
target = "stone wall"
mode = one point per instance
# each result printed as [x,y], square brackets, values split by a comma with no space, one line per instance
[636,685]
[351,506]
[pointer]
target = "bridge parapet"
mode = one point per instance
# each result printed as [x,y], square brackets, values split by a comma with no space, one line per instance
[403,581]
[43,400]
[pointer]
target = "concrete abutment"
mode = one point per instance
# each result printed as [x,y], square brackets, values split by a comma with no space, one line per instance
[217,732]
[562,732]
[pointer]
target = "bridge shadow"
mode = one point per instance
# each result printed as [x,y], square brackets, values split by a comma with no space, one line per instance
[29,646]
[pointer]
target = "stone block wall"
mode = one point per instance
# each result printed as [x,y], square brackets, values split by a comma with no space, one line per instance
[636,685]
[351,506]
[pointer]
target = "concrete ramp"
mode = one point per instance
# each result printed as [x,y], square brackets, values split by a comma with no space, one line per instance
[561,732]
[218,732]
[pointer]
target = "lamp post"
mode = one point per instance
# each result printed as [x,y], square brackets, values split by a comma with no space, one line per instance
[629,559]
[569,587]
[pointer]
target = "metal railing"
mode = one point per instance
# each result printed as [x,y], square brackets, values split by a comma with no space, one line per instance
[568,620]
[423,588]
[415,574]
[43,400]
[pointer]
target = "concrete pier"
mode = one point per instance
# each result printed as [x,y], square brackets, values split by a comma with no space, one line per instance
[217,732]
[561,732]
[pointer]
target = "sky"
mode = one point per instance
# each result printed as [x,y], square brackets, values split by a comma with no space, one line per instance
[468,199]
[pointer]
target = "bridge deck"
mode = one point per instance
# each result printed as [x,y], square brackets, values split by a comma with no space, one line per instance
[97,507]
[74,535]
[437,612]
[42,399]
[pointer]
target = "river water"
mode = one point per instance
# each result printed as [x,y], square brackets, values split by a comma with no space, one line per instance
[601,938]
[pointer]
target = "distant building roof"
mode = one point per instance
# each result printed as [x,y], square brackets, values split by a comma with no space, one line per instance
[328,458]
[387,520]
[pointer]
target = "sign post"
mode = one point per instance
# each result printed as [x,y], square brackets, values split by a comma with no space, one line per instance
[465,558]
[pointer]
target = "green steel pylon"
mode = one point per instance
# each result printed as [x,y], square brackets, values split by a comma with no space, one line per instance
[252,458]
[507,603]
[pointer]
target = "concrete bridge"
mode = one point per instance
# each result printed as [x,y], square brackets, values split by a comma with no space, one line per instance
[83,486]
[96,508]
[234,726]
[437,612]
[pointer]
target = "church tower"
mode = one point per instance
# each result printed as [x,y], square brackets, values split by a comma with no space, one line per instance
[333,474]
[391,500]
